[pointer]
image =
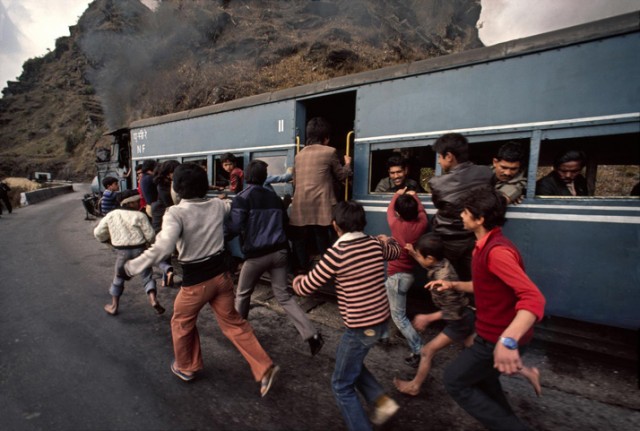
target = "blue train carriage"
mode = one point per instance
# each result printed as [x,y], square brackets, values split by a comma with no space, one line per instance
[576,88]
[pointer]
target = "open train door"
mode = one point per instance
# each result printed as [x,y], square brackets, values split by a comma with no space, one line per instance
[340,111]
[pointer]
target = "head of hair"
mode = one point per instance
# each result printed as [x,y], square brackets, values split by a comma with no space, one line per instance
[407,207]
[162,171]
[453,143]
[511,152]
[349,216]
[148,165]
[488,203]
[570,156]
[396,160]
[107,181]
[430,244]
[318,129]
[228,157]
[190,181]
[138,168]
[256,172]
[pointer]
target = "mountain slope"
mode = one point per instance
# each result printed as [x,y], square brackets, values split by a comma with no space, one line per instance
[123,62]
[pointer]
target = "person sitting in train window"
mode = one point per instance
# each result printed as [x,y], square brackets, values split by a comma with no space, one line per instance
[316,166]
[459,176]
[565,179]
[236,175]
[397,179]
[508,176]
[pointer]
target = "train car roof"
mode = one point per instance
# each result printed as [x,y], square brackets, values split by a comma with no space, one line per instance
[618,25]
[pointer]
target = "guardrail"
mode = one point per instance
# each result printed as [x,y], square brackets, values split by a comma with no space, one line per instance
[28,198]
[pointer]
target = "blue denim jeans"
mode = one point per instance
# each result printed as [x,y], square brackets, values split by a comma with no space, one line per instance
[397,287]
[475,385]
[351,374]
[122,256]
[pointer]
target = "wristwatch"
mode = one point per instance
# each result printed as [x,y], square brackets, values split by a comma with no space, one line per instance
[509,343]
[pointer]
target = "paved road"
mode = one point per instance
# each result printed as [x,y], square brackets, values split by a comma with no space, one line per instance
[65,364]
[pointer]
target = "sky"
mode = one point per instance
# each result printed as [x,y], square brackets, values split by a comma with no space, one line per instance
[29,28]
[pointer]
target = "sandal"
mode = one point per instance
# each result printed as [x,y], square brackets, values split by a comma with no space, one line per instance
[268,379]
[180,374]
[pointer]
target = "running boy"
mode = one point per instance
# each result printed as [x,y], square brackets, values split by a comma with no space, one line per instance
[453,310]
[356,263]
[429,253]
[129,231]
[508,304]
[407,221]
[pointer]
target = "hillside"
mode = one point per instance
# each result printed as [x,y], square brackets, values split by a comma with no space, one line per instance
[123,62]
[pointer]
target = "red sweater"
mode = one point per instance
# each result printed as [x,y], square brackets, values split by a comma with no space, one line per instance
[405,232]
[501,287]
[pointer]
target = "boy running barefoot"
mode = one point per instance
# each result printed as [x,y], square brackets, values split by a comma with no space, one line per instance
[129,232]
[429,253]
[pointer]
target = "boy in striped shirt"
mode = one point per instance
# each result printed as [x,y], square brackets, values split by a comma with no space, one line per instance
[356,263]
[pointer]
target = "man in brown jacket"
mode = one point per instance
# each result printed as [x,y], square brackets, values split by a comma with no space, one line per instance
[316,168]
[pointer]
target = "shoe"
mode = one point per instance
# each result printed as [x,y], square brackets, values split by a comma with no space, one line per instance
[268,379]
[315,343]
[384,412]
[412,360]
[180,374]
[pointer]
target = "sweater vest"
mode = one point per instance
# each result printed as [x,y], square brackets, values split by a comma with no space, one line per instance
[495,300]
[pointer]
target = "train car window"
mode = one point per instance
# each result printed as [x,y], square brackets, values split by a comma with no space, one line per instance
[277,167]
[220,176]
[420,167]
[611,166]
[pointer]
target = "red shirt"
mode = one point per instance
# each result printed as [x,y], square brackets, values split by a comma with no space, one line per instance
[501,287]
[236,179]
[404,232]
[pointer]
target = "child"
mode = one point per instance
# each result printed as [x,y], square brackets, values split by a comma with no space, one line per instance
[429,253]
[356,263]
[195,228]
[129,231]
[109,200]
[236,175]
[407,221]
[453,310]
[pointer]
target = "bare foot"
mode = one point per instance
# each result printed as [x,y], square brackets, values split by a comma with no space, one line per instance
[533,375]
[406,387]
[111,309]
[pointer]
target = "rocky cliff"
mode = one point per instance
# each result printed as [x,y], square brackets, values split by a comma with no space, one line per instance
[123,61]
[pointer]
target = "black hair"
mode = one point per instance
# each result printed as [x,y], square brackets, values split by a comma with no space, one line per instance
[570,156]
[430,244]
[256,172]
[349,216]
[318,129]
[407,207]
[190,181]
[488,203]
[162,171]
[396,160]
[148,165]
[228,157]
[107,181]
[453,143]
[511,152]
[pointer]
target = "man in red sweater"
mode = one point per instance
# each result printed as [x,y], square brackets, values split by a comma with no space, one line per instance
[508,304]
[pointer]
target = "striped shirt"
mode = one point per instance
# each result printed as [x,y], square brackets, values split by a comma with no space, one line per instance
[356,263]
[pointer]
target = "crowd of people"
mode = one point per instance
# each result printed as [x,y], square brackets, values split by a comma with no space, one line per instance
[462,249]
